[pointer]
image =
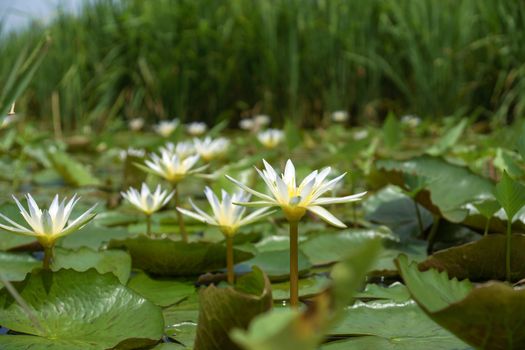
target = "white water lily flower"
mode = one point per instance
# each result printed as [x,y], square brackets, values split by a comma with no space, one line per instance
[196,128]
[209,148]
[261,120]
[226,215]
[136,124]
[49,224]
[146,201]
[172,167]
[247,124]
[270,138]
[340,116]
[132,152]
[411,121]
[166,127]
[296,200]
[181,149]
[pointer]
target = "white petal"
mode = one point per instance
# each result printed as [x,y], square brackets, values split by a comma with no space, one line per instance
[336,200]
[256,215]
[326,216]
[247,189]
[197,216]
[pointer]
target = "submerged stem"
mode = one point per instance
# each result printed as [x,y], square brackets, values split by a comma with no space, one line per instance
[148,225]
[229,259]
[48,256]
[487,225]
[507,250]
[180,218]
[294,264]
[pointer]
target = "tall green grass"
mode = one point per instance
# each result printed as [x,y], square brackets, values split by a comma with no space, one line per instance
[209,60]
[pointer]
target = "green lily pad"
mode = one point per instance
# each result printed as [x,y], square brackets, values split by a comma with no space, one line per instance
[9,240]
[326,248]
[308,287]
[287,328]
[482,260]
[223,309]
[448,187]
[181,320]
[78,310]
[15,266]
[396,292]
[391,325]
[115,261]
[116,218]
[176,258]
[93,236]
[276,264]
[398,212]
[486,316]
[161,292]
[384,265]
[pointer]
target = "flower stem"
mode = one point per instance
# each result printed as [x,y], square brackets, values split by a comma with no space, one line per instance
[229,259]
[294,267]
[419,220]
[148,225]
[432,234]
[507,250]
[487,225]
[48,256]
[182,228]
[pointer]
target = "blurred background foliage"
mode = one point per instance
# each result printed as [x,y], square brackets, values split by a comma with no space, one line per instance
[292,59]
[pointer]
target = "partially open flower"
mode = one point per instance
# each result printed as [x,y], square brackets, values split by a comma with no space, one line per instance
[209,148]
[48,225]
[136,124]
[261,120]
[146,201]
[172,167]
[340,116]
[181,149]
[226,215]
[196,128]
[270,138]
[296,200]
[166,127]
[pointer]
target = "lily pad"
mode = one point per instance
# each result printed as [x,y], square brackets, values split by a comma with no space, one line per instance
[181,320]
[276,264]
[482,260]
[73,172]
[391,325]
[15,266]
[161,292]
[93,236]
[396,292]
[115,261]
[223,309]
[438,196]
[486,316]
[326,248]
[308,287]
[78,310]
[176,258]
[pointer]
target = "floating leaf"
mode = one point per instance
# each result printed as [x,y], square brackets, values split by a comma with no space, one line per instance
[161,292]
[326,248]
[78,310]
[438,196]
[15,266]
[482,260]
[308,287]
[115,261]
[181,320]
[176,258]
[293,329]
[391,325]
[223,309]
[276,264]
[487,316]
[93,236]
[396,292]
